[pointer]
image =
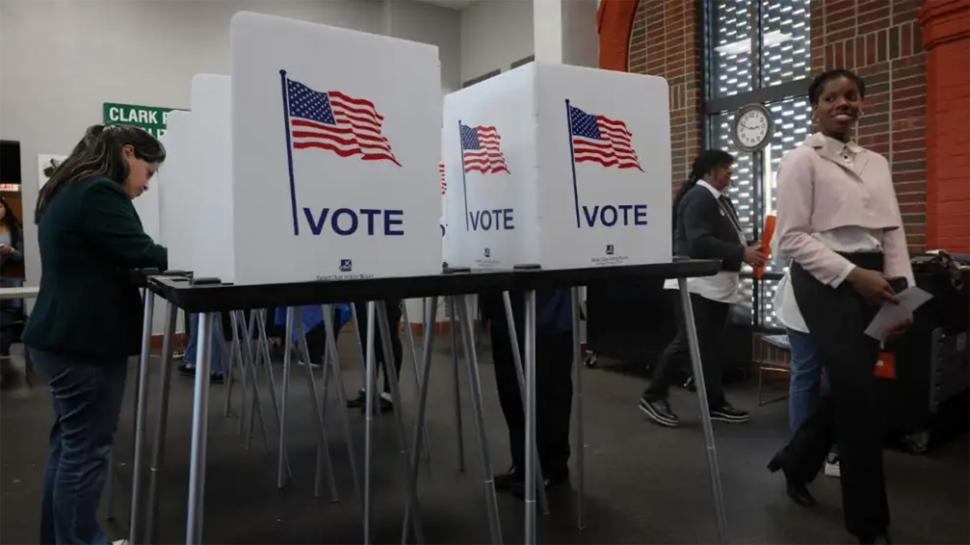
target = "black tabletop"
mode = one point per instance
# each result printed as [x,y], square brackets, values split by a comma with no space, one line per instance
[219,297]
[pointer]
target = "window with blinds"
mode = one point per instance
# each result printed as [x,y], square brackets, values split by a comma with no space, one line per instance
[758,52]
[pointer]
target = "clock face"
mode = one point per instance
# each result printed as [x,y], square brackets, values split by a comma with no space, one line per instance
[752,129]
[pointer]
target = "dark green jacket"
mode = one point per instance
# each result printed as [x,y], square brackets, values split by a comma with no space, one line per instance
[90,237]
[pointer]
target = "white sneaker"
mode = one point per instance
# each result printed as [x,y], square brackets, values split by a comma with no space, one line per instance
[120,542]
[832,467]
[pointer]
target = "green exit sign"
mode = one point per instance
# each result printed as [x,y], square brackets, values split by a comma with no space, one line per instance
[151,118]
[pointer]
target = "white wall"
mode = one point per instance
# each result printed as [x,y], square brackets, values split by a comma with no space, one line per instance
[494,34]
[60,60]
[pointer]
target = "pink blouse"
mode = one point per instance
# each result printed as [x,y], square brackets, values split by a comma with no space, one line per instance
[824,185]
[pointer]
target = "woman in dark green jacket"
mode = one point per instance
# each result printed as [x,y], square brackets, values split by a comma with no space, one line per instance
[87,318]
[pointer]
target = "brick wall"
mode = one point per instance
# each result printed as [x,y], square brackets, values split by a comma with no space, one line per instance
[946,37]
[880,40]
[665,40]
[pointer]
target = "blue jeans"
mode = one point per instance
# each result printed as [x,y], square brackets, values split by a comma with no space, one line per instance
[87,400]
[217,364]
[806,377]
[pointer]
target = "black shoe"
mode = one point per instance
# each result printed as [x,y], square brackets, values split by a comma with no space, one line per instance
[386,405]
[882,538]
[186,369]
[726,413]
[553,480]
[796,490]
[509,481]
[659,411]
[357,401]
[217,378]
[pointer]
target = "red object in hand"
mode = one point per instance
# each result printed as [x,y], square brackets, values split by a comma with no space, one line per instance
[769,231]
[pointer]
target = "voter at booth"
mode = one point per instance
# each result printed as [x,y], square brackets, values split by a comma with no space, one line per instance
[88,316]
[706,226]
[839,222]
[394,322]
[219,356]
[554,386]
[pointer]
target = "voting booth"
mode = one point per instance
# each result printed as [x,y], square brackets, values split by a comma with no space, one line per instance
[558,166]
[196,184]
[335,136]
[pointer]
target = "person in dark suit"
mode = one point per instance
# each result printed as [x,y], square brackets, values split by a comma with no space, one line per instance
[87,318]
[554,385]
[706,226]
[393,321]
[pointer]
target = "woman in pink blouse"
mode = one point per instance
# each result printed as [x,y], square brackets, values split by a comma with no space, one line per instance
[839,224]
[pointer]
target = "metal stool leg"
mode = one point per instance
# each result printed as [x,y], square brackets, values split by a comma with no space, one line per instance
[338,380]
[158,445]
[390,375]
[517,359]
[287,353]
[200,415]
[695,358]
[580,446]
[475,385]
[455,346]
[422,408]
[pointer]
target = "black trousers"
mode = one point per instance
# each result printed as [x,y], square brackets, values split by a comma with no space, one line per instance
[316,338]
[554,390]
[393,319]
[710,317]
[850,416]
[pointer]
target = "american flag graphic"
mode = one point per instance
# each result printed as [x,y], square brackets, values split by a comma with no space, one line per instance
[481,150]
[336,122]
[441,177]
[602,140]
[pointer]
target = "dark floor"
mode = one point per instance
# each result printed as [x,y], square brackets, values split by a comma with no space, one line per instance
[645,484]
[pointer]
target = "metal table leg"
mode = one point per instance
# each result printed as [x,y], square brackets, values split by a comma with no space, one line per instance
[390,375]
[369,396]
[200,415]
[158,444]
[323,445]
[580,447]
[141,404]
[338,380]
[695,358]
[263,343]
[475,385]
[422,407]
[287,354]
[418,374]
[455,346]
[517,359]
[530,415]
[248,362]
[233,354]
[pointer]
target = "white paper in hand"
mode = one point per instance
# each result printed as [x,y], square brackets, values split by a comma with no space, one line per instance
[891,315]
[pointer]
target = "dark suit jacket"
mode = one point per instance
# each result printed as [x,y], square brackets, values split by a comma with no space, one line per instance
[90,237]
[703,232]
